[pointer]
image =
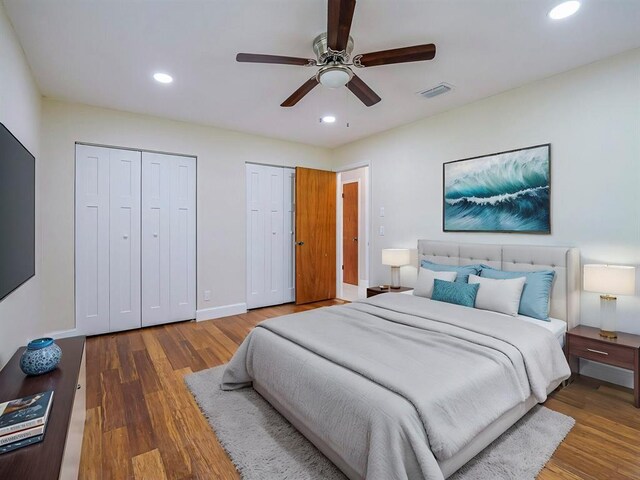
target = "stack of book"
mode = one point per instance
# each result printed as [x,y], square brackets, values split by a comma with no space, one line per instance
[23,421]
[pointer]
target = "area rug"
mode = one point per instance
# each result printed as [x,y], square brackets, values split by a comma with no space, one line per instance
[263,445]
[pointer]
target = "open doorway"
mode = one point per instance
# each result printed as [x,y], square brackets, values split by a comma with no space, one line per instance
[353,233]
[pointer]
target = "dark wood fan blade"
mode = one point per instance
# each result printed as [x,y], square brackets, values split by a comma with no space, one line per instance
[417,53]
[339,23]
[259,58]
[299,93]
[362,91]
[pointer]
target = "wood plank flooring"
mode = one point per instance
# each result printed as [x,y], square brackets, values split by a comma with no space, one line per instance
[142,422]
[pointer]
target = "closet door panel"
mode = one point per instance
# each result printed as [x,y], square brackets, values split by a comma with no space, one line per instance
[92,240]
[255,236]
[168,238]
[266,237]
[183,238]
[273,236]
[289,236]
[125,170]
[156,238]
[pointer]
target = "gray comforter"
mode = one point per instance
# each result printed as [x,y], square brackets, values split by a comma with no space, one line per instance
[393,385]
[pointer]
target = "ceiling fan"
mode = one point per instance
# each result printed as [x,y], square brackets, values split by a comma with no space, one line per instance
[333,51]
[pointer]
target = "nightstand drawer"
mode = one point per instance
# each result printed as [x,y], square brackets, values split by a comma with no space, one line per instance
[604,352]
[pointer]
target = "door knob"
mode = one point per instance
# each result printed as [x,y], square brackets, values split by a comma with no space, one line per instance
[355,239]
[300,243]
[125,236]
[155,235]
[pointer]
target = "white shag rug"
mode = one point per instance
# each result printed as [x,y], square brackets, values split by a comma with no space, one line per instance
[263,445]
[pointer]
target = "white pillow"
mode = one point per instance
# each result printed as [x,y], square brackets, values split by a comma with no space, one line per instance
[501,296]
[424,285]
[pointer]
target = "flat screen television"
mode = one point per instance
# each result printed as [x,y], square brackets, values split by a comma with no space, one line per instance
[17,213]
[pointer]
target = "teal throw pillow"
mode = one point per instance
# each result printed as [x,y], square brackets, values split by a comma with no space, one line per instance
[455,292]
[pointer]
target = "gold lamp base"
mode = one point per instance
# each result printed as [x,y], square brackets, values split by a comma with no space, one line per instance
[608,334]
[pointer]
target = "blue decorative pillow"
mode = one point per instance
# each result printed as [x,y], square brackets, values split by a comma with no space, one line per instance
[462,271]
[455,292]
[535,294]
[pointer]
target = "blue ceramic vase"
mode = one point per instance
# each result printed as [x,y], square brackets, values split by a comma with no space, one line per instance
[41,356]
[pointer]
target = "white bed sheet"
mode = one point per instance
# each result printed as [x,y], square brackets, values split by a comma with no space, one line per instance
[555,326]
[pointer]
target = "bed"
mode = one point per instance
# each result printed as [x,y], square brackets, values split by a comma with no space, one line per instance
[400,386]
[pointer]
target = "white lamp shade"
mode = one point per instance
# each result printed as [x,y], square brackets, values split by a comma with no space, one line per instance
[396,257]
[610,279]
[334,77]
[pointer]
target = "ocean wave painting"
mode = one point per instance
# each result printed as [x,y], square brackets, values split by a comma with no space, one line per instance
[502,192]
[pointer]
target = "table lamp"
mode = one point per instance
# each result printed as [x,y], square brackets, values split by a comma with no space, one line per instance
[609,280]
[395,257]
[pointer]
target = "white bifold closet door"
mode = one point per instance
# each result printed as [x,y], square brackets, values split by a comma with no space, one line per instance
[107,239]
[270,252]
[168,238]
[135,239]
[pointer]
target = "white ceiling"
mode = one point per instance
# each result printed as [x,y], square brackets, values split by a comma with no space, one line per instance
[104,52]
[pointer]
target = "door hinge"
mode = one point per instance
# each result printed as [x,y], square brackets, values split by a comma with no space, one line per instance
[343,195]
[343,267]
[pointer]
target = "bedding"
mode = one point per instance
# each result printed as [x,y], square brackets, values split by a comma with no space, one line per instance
[554,325]
[462,271]
[463,294]
[535,300]
[502,296]
[424,284]
[396,385]
[557,327]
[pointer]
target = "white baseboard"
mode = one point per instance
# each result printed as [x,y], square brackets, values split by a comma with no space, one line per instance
[611,374]
[222,311]
[72,332]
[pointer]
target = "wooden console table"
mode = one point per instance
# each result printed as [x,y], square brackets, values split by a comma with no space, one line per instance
[58,455]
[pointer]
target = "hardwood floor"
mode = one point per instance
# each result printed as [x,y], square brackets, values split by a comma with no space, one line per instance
[142,422]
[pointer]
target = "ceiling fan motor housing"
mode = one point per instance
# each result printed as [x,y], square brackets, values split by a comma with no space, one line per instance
[326,55]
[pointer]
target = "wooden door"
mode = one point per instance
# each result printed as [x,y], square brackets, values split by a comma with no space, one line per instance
[350,233]
[315,235]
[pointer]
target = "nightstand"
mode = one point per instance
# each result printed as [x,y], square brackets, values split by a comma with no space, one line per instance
[623,352]
[373,291]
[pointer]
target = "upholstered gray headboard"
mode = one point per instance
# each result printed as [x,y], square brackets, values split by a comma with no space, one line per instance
[565,261]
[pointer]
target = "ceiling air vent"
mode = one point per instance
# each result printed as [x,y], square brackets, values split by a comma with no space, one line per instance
[437,90]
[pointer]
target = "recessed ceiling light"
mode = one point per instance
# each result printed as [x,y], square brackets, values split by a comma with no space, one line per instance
[328,119]
[564,10]
[162,77]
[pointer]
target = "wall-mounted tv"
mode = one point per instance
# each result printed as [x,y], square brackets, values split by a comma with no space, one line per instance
[17,213]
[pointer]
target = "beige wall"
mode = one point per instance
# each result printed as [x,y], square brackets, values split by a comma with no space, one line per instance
[591,117]
[20,317]
[221,193]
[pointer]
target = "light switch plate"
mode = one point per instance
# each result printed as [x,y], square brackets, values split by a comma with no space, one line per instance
[381,231]
[207,295]
[382,211]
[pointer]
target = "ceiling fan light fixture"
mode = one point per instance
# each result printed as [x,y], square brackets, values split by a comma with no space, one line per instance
[564,10]
[334,76]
